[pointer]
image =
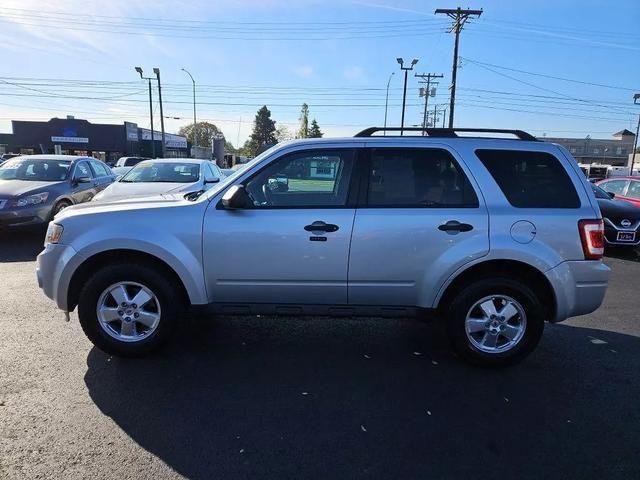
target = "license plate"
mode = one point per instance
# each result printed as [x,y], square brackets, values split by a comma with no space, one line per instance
[626,236]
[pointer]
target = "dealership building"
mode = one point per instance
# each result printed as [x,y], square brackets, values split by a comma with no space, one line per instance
[73,136]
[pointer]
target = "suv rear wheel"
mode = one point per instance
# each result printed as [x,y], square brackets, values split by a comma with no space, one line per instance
[495,322]
[128,310]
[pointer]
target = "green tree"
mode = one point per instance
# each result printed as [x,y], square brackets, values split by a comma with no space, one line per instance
[264,133]
[314,130]
[204,131]
[283,134]
[303,132]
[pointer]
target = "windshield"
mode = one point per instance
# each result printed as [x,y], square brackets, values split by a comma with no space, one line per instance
[35,170]
[173,172]
[600,193]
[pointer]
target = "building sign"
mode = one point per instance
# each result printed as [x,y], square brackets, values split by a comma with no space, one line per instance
[70,139]
[132,131]
[170,140]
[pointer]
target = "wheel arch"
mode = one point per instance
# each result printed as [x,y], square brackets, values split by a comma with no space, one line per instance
[107,257]
[527,274]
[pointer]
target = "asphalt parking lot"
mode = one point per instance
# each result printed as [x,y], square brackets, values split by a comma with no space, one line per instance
[281,398]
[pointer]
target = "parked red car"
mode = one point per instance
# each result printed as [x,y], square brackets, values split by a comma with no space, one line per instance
[625,188]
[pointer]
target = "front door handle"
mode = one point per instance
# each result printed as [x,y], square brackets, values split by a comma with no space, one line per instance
[319,226]
[455,226]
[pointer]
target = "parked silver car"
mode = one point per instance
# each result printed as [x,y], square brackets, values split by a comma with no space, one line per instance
[163,175]
[495,236]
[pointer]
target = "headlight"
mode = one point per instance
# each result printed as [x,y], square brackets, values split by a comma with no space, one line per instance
[32,199]
[54,233]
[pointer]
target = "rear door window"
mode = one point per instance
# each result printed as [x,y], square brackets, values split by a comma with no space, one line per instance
[634,190]
[530,179]
[417,177]
[99,169]
[614,186]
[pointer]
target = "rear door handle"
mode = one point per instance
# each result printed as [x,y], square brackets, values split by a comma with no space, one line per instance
[455,226]
[319,226]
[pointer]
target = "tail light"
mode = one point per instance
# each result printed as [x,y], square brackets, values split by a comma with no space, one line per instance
[592,236]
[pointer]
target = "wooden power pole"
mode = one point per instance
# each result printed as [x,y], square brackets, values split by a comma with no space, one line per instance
[459,18]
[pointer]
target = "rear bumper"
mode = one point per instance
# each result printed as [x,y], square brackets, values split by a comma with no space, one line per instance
[579,286]
[611,237]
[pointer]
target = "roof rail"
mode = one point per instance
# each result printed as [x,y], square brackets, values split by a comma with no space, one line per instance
[446,132]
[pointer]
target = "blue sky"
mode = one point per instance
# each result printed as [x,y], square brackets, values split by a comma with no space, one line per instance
[334,55]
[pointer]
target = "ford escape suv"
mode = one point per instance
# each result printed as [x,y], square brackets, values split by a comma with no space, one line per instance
[493,235]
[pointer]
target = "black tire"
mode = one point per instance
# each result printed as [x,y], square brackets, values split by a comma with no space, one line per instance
[456,314]
[152,278]
[58,207]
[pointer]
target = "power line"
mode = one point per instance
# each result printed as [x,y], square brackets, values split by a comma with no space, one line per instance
[546,75]
[539,87]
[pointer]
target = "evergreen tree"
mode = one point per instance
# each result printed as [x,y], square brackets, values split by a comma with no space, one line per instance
[264,133]
[314,130]
[303,132]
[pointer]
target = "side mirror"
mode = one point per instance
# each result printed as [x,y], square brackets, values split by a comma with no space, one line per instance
[236,198]
[212,180]
[83,179]
[611,194]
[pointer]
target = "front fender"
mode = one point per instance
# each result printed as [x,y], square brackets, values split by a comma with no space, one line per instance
[175,237]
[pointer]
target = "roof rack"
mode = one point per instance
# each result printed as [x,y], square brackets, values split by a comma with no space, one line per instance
[446,132]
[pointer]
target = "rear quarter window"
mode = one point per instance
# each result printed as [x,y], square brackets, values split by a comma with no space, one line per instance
[530,179]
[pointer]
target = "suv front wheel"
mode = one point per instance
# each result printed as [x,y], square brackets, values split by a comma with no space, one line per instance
[495,321]
[128,310]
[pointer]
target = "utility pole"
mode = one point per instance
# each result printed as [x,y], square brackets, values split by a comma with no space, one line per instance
[636,100]
[406,70]
[459,18]
[386,102]
[195,129]
[153,143]
[157,72]
[427,93]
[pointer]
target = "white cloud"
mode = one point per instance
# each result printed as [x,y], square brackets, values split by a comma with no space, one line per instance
[353,73]
[303,71]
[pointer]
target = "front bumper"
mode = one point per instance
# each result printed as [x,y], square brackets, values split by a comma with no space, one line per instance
[25,216]
[579,287]
[54,267]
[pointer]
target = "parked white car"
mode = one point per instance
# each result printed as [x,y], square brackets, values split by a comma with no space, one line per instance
[163,175]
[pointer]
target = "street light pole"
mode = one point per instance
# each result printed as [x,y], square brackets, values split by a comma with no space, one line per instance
[386,102]
[195,137]
[153,144]
[157,72]
[404,93]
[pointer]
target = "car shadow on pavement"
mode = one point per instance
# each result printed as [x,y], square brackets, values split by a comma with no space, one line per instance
[316,398]
[21,245]
[623,253]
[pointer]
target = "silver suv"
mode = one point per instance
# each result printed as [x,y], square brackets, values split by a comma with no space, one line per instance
[494,235]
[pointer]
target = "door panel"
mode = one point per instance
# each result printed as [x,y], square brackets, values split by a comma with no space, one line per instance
[267,256]
[83,192]
[421,220]
[277,251]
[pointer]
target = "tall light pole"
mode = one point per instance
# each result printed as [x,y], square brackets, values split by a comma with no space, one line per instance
[404,93]
[157,72]
[636,100]
[386,102]
[153,142]
[195,137]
